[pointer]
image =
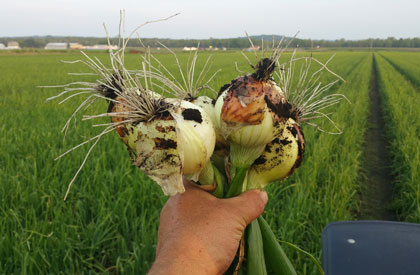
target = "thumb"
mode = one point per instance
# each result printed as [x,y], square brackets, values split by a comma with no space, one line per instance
[250,204]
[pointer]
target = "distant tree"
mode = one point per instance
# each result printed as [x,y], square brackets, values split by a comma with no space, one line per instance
[416,42]
[32,43]
[231,43]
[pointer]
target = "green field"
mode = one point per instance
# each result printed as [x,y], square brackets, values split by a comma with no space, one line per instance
[401,99]
[109,222]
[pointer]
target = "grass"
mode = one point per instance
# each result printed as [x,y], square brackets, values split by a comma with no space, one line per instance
[109,222]
[401,108]
[406,63]
[94,230]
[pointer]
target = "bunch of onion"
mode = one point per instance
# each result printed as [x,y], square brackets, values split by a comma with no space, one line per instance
[157,131]
[261,119]
[259,137]
[245,138]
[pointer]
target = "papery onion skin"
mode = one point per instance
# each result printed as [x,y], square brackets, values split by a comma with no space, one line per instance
[250,111]
[207,104]
[196,135]
[174,143]
[158,154]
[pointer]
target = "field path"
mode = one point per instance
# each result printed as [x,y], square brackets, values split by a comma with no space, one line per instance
[377,184]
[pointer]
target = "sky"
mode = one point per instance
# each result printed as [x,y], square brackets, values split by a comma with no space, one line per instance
[322,19]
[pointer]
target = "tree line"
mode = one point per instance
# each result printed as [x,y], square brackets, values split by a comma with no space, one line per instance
[229,43]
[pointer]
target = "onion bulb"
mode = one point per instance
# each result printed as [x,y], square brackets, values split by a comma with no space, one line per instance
[178,140]
[280,158]
[251,111]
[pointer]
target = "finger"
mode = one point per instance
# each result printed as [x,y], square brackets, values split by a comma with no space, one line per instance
[187,184]
[250,205]
[190,185]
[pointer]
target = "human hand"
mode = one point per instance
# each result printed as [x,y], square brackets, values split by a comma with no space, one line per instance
[200,234]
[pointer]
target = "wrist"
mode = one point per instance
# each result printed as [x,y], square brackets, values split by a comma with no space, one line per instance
[184,257]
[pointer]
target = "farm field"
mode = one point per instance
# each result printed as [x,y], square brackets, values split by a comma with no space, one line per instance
[401,100]
[109,222]
[407,63]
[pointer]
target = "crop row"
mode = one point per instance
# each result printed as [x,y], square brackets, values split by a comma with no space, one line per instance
[407,63]
[400,100]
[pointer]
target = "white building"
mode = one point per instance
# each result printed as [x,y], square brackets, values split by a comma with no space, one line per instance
[101,47]
[252,49]
[75,46]
[13,45]
[189,49]
[56,46]
[2,46]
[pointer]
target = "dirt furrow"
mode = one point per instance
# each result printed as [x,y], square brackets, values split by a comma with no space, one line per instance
[376,192]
